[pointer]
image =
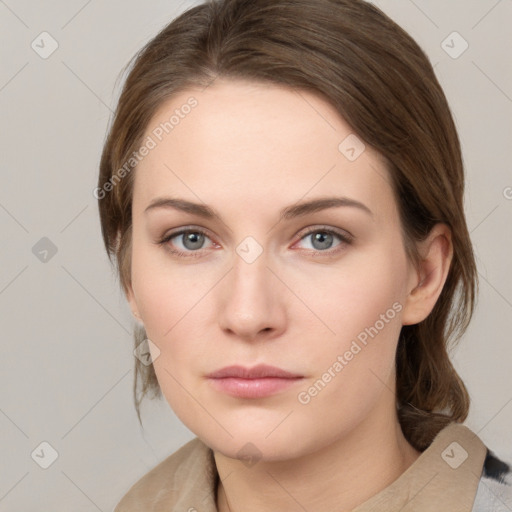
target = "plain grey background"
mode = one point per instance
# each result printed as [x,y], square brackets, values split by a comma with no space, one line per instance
[66,362]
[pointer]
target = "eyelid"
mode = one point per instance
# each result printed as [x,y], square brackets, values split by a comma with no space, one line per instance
[342,233]
[165,239]
[345,237]
[184,229]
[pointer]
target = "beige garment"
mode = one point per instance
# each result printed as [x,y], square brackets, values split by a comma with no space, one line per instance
[445,477]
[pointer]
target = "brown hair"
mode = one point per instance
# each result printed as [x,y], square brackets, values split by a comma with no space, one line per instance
[383,85]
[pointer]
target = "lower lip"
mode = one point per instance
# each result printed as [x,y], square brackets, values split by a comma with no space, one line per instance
[252,388]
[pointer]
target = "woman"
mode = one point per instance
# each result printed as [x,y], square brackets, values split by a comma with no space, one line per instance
[282,191]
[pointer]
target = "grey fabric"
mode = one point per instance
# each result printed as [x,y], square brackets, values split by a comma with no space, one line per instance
[494,492]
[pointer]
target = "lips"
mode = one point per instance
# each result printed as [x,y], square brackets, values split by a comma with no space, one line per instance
[257,372]
[257,382]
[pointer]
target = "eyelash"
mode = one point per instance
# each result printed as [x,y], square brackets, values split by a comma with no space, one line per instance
[346,239]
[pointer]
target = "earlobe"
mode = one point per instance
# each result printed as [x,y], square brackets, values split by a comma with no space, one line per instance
[130,297]
[430,276]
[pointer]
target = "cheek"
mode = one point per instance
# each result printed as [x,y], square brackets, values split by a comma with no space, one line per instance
[165,292]
[361,304]
[354,373]
[364,290]
[173,302]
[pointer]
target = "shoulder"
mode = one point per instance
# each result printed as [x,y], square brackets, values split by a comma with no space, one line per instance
[494,493]
[187,472]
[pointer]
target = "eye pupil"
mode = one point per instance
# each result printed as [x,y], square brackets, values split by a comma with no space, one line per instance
[194,238]
[325,240]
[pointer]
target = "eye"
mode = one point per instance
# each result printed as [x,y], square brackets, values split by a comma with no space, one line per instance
[188,241]
[322,239]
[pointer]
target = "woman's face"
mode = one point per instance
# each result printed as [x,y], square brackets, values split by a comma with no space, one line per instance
[264,276]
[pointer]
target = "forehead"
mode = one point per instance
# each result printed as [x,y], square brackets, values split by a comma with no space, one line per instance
[250,142]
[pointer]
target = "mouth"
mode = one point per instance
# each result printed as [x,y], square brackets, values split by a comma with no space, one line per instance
[257,382]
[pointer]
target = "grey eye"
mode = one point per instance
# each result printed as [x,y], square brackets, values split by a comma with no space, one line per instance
[192,240]
[321,240]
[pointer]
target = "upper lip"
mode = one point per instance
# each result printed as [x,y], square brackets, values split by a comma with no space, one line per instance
[257,372]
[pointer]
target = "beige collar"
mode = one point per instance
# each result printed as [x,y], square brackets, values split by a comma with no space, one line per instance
[444,477]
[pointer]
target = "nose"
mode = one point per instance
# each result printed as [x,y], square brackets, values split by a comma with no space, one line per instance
[252,301]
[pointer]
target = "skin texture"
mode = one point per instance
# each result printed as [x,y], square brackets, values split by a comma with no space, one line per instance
[249,150]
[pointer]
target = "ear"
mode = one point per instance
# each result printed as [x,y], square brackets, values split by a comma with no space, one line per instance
[126,281]
[428,279]
[130,297]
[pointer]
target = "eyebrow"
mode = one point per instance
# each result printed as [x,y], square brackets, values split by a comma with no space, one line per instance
[287,213]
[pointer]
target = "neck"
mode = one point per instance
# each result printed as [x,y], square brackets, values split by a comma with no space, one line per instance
[337,477]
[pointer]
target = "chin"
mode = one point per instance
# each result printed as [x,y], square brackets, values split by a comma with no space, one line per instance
[251,445]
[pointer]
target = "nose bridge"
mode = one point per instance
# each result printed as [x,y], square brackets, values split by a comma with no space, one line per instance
[250,303]
[250,280]
[250,276]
